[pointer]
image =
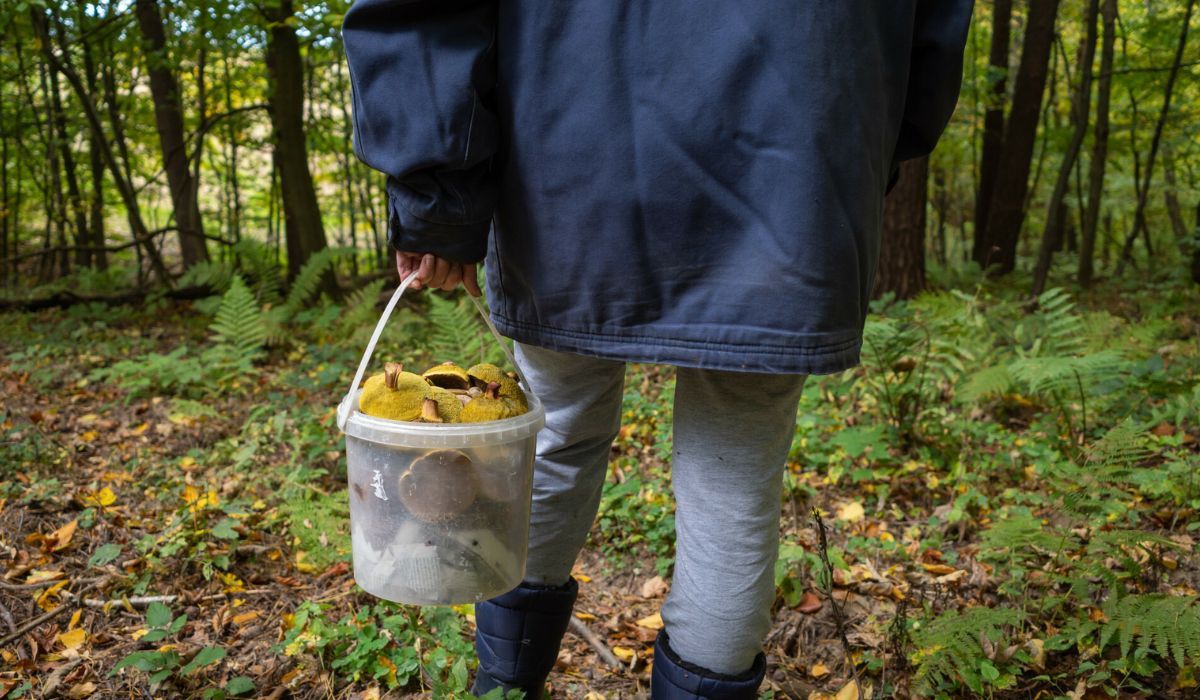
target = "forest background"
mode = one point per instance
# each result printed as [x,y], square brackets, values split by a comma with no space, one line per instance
[1000,502]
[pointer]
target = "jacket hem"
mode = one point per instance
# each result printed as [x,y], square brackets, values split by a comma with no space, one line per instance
[799,356]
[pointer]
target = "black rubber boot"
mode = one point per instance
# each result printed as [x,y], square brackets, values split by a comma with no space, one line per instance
[517,636]
[676,679]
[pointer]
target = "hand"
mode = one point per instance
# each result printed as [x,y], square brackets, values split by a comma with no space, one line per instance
[437,272]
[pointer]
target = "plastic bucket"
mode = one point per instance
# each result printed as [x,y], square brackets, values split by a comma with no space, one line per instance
[439,514]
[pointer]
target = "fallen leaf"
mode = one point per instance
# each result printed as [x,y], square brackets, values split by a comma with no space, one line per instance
[41,575]
[818,670]
[654,587]
[583,578]
[850,692]
[60,538]
[1037,653]
[74,639]
[653,622]
[623,653]
[103,498]
[951,577]
[809,603]
[586,617]
[851,512]
[81,690]
[939,569]
[242,619]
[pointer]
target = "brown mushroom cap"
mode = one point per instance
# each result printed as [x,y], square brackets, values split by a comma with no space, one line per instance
[448,376]
[438,485]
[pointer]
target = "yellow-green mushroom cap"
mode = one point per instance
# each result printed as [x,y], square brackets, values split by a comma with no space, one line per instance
[449,408]
[393,394]
[510,390]
[488,407]
[447,376]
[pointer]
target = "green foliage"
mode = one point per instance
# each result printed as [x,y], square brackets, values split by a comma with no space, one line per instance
[950,649]
[169,664]
[239,325]
[394,645]
[455,332]
[1170,625]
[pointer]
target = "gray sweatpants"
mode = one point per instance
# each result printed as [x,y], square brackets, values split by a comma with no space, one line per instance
[732,434]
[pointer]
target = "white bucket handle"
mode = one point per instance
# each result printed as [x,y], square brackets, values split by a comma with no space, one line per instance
[344,408]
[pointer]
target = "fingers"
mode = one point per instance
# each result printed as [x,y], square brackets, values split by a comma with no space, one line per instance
[437,273]
[470,281]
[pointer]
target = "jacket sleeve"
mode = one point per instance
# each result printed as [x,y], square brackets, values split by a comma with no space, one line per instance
[935,74]
[421,74]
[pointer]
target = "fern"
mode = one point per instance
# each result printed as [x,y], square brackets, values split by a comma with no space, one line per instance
[360,312]
[950,649]
[239,324]
[1170,625]
[258,265]
[308,279]
[455,331]
[212,275]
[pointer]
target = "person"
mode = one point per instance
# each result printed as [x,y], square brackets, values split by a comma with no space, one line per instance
[697,183]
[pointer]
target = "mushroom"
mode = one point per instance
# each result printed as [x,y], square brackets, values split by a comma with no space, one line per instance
[488,407]
[394,394]
[448,376]
[438,485]
[483,374]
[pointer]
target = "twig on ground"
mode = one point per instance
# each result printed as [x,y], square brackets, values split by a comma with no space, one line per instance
[839,617]
[143,601]
[581,630]
[8,618]
[44,617]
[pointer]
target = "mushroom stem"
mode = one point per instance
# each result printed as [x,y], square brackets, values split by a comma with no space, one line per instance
[391,373]
[429,411]
[493,390]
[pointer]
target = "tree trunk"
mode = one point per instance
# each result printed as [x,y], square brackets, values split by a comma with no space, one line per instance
[1007,210]
[1171,199]
[902,254]
[1091,219]
[302,215]
[1196,248]
[168,118]
[128,195]
[1052,234]
[74,199]
[993,126]
[1139,212]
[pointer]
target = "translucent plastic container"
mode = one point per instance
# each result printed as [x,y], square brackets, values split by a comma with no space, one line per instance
[439,514]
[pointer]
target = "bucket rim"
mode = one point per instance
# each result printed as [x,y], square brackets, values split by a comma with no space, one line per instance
[408,433]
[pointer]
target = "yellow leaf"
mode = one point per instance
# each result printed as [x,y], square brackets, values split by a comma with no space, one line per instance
[586,617]
[851,512]
[818,670]
[850,692]
[73,639]
[140,429]
[89,436]
[583,578]
[138,634]
[42,575]
[242,619]
[623,653]
[103,498]
[939,569]
[62,536]
[653,622]
[190,494]
[1037,653]
[45,600]
[303,565]
[82,690]
[186,462]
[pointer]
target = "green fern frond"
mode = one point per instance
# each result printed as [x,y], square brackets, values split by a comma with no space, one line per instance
[949,647]
[456,333]
[239,322]
[1122,445]
[308,279]
[360,312]
[1025,534]
[1170,625]
[212,275]
[987,382]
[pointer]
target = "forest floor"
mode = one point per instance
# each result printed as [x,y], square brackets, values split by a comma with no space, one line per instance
[173,525]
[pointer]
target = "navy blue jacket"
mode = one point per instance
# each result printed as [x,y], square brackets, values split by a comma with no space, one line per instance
[693,182]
